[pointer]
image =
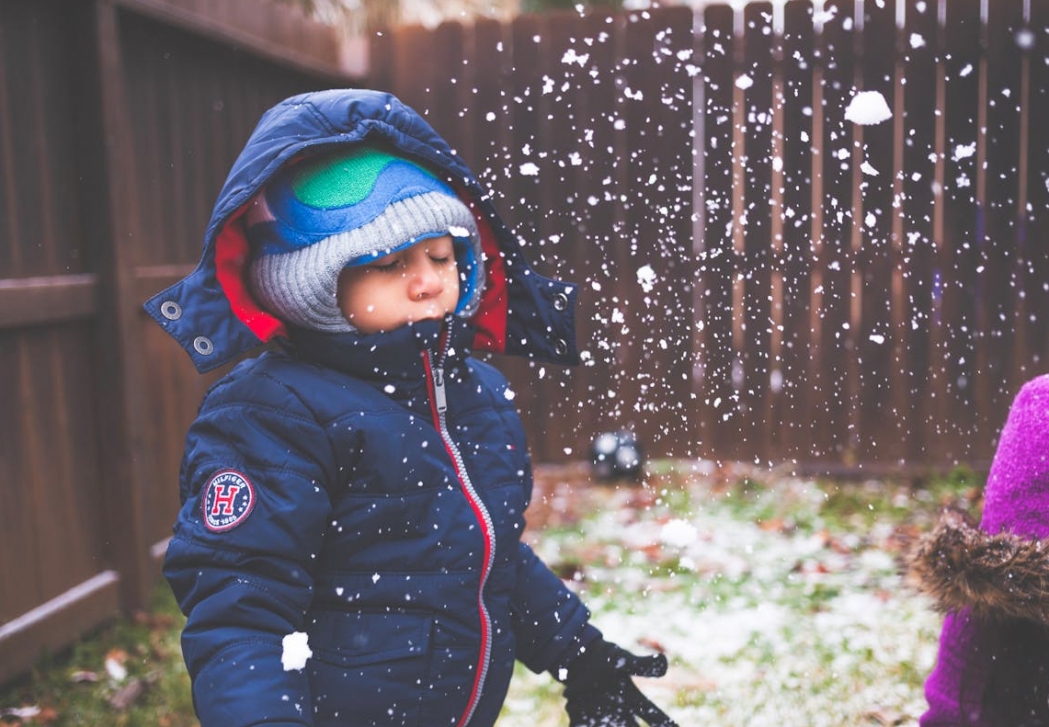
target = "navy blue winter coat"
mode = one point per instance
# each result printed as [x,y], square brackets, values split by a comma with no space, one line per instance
[368,490]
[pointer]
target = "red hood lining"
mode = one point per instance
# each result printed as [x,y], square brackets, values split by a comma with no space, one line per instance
[231,258]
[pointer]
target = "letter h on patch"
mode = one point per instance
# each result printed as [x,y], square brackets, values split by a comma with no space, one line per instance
[228,499]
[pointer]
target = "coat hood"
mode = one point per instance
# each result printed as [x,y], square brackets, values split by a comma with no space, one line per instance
[214,317]
[997,577]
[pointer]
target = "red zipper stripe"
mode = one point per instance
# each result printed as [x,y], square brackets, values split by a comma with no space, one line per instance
[484,520]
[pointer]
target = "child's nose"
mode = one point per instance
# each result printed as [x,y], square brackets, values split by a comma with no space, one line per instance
[425,281]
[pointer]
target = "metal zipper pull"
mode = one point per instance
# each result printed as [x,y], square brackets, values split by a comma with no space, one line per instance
[438,390]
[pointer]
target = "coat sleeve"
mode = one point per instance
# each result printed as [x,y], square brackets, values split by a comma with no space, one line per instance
[240,562]
[550,622]
[954,690]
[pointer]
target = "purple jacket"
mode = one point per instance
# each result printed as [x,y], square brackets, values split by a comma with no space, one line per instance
[978,576]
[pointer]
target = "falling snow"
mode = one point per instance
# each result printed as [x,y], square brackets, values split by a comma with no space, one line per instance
[646,278]
[571,57]
[866,108]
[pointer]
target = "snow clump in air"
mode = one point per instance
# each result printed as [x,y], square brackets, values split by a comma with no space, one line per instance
[646,277]
[866,108]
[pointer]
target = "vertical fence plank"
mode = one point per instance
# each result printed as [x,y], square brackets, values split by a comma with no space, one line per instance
[449,80]
[958,259]
[123,465]
[920,384]
[59,393]
[999,283]
[633,248]
[523,210]
[487,153]
[412,66]
[10,222]
[56,204]
[832,383]
[559,239]
[598,218]
[657,114]
[18,171]
[716,397]
[877,327]
[1035,216]
[578,225]
[382,55]
[21,549]
[143,101]
[754,347]
[496,121]
[30,179]
[54,579]
[797,63]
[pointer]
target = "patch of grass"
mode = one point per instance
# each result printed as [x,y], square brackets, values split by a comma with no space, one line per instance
[128,673]
[777,600]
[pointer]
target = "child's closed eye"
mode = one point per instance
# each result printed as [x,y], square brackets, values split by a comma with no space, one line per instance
[385,265]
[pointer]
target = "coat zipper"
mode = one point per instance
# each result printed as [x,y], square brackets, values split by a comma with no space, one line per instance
[439,407]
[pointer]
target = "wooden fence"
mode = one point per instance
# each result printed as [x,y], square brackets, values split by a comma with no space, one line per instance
[748,291]
[762,279]
[119,120]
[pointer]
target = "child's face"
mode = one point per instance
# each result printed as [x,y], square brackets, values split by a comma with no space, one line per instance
[415,284]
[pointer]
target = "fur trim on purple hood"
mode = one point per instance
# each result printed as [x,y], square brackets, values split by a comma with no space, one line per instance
[995,576]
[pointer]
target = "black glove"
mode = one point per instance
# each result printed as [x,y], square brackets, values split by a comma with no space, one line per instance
[600,693]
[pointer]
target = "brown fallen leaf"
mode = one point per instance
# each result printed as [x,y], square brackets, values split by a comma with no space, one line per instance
[651,643]
[47,715]
[118,655]
[884,716]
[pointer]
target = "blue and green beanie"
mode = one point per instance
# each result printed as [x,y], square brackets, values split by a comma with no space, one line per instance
[348,208]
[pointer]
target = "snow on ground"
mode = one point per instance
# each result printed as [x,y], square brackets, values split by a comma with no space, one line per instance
[770,612]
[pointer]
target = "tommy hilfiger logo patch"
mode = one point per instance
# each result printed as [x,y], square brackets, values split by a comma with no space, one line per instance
[228,500]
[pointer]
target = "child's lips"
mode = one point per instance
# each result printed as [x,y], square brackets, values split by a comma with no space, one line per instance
[434,309]
[431,313]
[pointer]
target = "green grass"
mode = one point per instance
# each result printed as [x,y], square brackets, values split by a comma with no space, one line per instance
[785,608]
[76,689]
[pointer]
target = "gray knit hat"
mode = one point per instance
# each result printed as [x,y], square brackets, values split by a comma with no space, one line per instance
[343,209]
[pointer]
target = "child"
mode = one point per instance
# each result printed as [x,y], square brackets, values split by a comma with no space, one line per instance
[993,584]
[364,482]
